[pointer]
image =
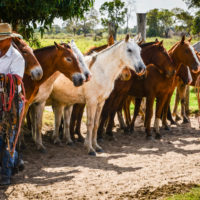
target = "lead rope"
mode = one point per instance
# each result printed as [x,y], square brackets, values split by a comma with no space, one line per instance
[21,115]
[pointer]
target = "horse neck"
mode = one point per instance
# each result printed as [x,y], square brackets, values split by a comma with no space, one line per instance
[114,67]
[46,59]
[173,55]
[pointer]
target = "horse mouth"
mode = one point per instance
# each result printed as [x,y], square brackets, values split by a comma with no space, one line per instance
[36,73]
[78,79]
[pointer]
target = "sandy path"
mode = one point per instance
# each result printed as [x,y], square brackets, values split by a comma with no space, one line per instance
[129,164]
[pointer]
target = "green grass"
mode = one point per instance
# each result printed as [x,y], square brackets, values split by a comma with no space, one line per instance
[194,194]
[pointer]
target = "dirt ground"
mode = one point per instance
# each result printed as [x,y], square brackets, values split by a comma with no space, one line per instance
[130,168]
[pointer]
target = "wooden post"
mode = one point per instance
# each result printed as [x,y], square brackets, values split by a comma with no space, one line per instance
[141,25]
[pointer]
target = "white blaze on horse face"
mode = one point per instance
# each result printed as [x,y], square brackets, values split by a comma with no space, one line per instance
[133,53]
[81,59]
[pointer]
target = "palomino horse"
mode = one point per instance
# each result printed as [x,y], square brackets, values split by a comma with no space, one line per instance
[64,61]
[181,53]
[140,86]
[32,66]
[94,93]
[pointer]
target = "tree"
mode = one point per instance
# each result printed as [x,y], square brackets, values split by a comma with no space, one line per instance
[71,25]
[153,23]
[89,21]
[183,19]
[165,21]
[193,3]
[25,16]
[196,24]
[114,15]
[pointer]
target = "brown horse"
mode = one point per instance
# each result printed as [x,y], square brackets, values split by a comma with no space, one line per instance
[182,94]
[150,53]
[53,58]
[150,85]
[32,65]
[182,53]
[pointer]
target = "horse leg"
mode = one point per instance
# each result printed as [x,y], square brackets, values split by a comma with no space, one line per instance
[159,107]
[187,99]
[127,113]
[78,122]
[66,121]
[148,116]
[177,99]
[39,108]
[58,110]
[121,119]
[96,124]
[73,121]
[110,125]
[166,109]
[91,111]
[138,102]
[185,118]
[102,123]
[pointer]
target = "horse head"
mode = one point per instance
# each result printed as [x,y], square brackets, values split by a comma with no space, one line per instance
[130,55]
[32,65]
[81,59]
[68,64]
[184,53]
[156,54]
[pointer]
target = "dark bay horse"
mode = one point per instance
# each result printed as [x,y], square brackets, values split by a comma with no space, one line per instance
[32,65]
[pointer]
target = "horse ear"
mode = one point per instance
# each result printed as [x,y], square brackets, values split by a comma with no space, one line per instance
[161,43]
[156,40]
[57,46]
[190,39]
[183,39]
[127,38]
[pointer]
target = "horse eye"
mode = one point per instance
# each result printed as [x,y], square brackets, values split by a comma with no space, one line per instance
[129,50]
[69,59]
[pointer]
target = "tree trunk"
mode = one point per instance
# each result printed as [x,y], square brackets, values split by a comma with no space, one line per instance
[141,25]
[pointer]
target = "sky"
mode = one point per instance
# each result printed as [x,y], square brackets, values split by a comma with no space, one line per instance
[142,6]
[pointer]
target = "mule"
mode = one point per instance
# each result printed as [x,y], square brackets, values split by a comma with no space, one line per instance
[32,65]
[94,93]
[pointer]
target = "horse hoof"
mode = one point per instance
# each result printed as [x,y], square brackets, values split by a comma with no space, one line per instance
[70,143]
[100,140]
[92,153]
[178,118]
[167,128]
[80,140]
[185,121]
[149,137]
[42,150]
[99,150]
[158,136]
[173,122]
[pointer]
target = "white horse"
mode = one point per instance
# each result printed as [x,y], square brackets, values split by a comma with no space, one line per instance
[44,92]
[106,66]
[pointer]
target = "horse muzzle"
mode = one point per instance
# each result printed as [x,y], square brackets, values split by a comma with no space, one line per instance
[140,68]
[78,79]
[88,76]
[36,73]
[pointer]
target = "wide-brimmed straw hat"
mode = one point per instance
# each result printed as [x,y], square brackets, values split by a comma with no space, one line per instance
[6,32]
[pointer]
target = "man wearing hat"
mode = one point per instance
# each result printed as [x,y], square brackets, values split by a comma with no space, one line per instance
[11,62]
